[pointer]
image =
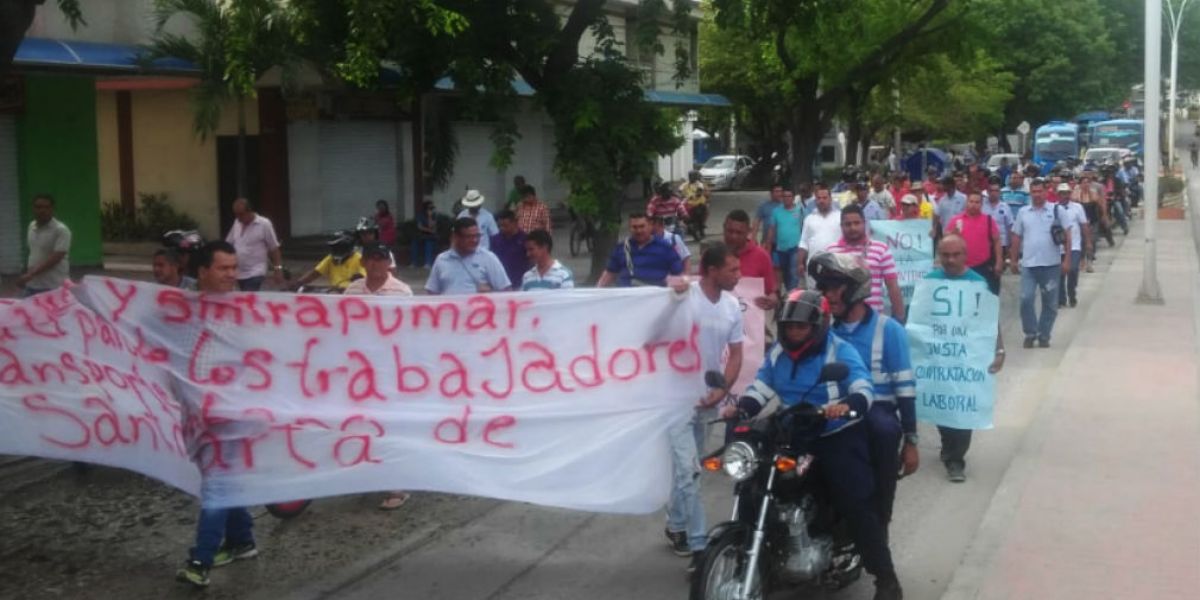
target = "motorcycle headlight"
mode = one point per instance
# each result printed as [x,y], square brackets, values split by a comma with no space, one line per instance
[739,461]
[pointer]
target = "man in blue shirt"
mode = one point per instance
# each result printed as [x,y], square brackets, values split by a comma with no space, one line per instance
[949,205]
[952,256]
[783,237]
[1041,262]
[509,247]
[762,214]
[793,366]
[641,259]
[466,268]
[882,344]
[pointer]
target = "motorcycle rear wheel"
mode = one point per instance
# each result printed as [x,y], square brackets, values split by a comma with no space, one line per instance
[720,575]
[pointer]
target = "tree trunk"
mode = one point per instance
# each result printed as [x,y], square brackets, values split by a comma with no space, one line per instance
[1003,137]
[241,147]
[606,240]
[806,129]
[15,18]
[418,153]
[868,136]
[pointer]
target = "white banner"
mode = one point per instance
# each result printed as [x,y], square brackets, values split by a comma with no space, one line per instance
[560,398]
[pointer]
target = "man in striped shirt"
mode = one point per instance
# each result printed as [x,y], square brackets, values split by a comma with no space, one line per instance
[877,258]
[547,273]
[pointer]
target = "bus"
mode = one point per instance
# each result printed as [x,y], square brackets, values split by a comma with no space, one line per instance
[1117,133]
[1055,141]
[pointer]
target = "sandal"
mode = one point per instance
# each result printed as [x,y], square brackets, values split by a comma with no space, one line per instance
[396,500]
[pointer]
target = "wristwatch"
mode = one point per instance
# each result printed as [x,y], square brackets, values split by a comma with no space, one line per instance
[912,438]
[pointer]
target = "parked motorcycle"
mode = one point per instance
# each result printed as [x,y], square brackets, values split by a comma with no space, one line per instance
[784,532]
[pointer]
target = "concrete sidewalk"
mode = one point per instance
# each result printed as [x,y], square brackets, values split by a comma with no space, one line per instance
[1100,499]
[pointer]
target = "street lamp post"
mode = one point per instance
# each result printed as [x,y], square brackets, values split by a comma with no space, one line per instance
[1176,19]
[1152,63]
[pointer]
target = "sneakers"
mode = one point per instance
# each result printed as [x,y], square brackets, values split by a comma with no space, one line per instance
[956,473]
[228,554]
[1074,303]
[677,540]
[697,562]
[1043,343]
[194,573]
[1029,342]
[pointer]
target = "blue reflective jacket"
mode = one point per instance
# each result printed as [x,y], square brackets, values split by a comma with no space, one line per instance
[781,378]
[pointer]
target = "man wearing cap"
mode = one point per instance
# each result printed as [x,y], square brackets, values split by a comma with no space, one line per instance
[871,209]
[1074,218]
[466,268]
[473,207]
[910,208]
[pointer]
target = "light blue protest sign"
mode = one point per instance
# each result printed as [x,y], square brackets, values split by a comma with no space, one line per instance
[952,341]
[911,247]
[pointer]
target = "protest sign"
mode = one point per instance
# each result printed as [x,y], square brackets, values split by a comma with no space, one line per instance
[911,247]
[754,322]
[952,341]
[529,397]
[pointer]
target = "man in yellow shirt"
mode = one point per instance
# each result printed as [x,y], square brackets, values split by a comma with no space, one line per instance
[341,266]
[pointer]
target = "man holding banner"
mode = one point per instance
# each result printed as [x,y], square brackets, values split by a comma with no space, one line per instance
[718,315]
[223,535]
[950,351]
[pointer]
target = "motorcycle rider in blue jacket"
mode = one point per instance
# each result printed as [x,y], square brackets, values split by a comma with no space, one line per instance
[792,368]
[882,344]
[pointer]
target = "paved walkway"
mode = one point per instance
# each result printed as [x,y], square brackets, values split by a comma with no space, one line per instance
[1100,499]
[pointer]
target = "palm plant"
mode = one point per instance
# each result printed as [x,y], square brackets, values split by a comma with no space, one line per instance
[231,44]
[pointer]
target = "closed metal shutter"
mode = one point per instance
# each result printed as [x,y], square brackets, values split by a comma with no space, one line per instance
[11,227]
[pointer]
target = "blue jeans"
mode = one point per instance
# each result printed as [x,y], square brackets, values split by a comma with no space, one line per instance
[422,252]
[251,284]
[1045,279]
[234,526]
[786,260]
[1068,281]
[685,512]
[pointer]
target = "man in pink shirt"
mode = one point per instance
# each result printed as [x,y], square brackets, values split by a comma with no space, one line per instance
[982,235]
[877,258]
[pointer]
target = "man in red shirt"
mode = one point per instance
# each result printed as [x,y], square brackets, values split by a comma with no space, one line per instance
[982,235]
[754,260]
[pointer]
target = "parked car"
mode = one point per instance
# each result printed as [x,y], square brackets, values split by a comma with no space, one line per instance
[726,172]
[994,161]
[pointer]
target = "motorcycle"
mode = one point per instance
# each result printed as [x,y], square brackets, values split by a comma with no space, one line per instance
[784,532]
[294,508]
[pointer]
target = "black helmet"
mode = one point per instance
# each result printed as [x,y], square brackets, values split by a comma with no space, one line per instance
[805,306]
[830,270]
[341,246]
[693,176]
[184,241]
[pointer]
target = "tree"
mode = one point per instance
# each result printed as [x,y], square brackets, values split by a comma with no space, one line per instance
[1060,53]
[960,100]
[234,45]
[15,18]
[829,50]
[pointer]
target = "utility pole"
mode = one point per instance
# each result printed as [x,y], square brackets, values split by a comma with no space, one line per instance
[1150,293]
[1176,20]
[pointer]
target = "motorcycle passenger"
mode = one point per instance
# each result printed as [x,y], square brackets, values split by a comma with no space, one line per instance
[843,463]
[342,265]
[668,205]
[366,233]
[168,270]
[883,345]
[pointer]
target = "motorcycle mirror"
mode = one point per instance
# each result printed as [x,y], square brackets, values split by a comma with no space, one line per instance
[834,372]
[715,380]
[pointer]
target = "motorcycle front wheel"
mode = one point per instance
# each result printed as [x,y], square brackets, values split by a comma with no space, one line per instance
[724,567]
[288,510]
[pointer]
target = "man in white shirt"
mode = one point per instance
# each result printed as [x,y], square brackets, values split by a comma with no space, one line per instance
[49,243]
[822,229]
[1074,218]
[253,236]
[718,314]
